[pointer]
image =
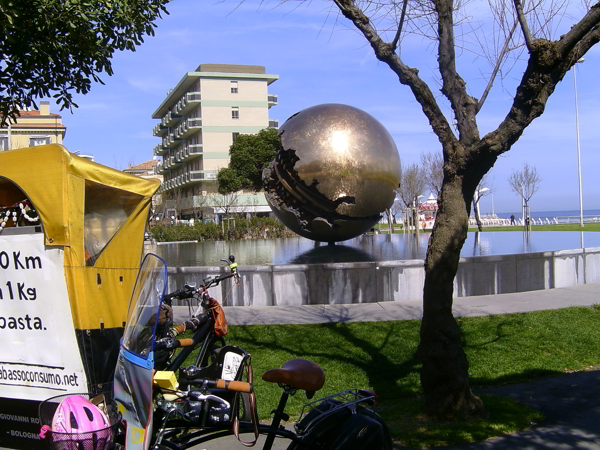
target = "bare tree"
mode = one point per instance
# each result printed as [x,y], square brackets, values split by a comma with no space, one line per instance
[223,203]
[412,184]
[525,183]
[467,155]
[433,171]
[517,33]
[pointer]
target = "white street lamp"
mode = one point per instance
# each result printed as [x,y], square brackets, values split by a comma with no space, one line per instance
[578,151]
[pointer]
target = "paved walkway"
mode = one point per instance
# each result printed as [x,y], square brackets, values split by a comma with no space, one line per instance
[570,402]
[480,305]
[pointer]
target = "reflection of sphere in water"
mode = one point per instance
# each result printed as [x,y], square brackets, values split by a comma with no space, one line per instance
[332,254]
[335,174]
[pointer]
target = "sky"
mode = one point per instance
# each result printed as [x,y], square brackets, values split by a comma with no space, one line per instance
[321,58]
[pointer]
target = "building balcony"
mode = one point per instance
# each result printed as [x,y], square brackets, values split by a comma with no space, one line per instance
[192,126]
[273,100]
[159,150]
[171,141]
[160,169]
[273,123]
[170,119]
[188,102]
[181,129]
[203,175]
[159,130]
[193,151]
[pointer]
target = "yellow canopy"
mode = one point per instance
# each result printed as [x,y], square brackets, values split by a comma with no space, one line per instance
[98,215]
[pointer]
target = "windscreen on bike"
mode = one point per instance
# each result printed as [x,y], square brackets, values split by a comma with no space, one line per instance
[144,308]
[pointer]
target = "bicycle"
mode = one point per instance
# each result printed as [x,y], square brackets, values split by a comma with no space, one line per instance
[200,403]
[157,411]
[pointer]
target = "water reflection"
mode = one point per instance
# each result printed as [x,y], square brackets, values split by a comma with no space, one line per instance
[332,254]
[368,248]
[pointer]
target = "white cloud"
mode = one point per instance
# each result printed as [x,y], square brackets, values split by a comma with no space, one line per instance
[148,84]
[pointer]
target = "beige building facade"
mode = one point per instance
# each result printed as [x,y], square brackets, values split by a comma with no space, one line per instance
[199,120]
[32,128]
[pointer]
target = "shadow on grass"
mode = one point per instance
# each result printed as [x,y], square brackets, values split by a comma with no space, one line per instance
[348,352]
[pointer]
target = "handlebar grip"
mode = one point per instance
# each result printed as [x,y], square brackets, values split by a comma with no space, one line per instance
[179,293]
[186,342]
[224,277]
[240,386]
[173,294]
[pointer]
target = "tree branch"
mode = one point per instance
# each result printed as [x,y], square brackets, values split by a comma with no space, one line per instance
[394,43]
[454,87]
[581,35]
[503,53]
[547,66]
[407,76]
[524,26]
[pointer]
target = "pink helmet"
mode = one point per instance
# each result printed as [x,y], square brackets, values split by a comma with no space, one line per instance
[77,419]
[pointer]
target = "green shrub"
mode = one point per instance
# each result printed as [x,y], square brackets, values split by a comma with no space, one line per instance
[254,228]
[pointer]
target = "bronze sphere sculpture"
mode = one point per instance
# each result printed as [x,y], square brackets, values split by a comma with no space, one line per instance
[336,172]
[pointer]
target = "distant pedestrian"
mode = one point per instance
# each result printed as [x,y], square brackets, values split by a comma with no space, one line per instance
[512,219]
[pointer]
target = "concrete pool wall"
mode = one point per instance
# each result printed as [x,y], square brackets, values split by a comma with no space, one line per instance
[365,282]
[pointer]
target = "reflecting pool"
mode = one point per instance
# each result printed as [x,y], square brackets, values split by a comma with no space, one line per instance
[378,247]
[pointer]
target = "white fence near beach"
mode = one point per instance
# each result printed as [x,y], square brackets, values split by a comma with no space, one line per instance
[500,222]
[493,220]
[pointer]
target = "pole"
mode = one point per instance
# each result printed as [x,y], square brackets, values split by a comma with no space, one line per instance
[578,149]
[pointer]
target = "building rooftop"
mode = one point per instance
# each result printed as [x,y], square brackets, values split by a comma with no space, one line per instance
[142,168]
[27,113]
[231,68]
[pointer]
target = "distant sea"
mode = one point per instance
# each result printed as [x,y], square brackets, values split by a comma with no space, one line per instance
[573,213]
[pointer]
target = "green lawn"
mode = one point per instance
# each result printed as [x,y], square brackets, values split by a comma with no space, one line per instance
[501,349]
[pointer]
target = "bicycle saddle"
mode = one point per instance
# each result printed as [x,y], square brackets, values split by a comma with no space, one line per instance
[299,374]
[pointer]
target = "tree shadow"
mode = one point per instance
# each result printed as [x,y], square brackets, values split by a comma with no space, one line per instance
[346,344]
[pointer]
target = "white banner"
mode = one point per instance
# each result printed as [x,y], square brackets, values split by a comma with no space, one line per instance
[39,355]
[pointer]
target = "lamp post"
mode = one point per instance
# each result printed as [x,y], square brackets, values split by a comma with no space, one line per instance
[578,151]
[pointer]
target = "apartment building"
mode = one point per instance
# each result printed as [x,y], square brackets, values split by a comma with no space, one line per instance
[199,120]
[33,127]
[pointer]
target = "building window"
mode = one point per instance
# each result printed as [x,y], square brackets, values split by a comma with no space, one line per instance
[234,136]
[39,140]
[234,87]
[235,112]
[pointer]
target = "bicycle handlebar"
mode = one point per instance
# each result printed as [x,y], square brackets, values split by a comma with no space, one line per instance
[189,291]
[169,343]
[239,386]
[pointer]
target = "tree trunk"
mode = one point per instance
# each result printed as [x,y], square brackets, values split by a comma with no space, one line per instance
[445,372]
[389,216]
[477,218]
